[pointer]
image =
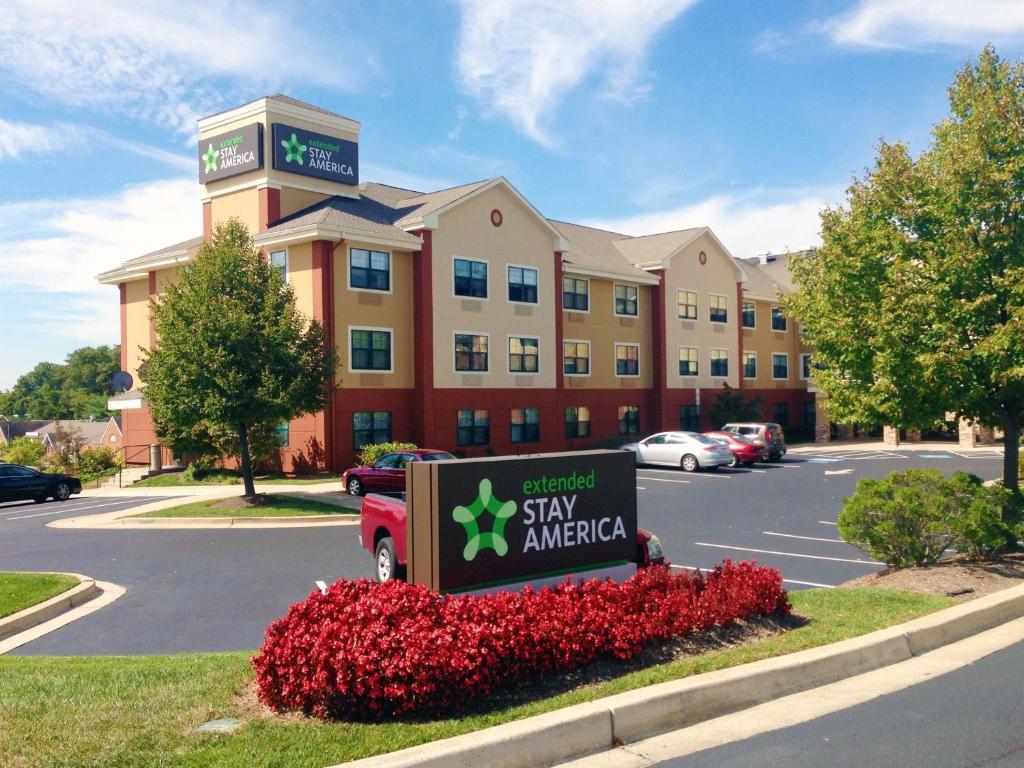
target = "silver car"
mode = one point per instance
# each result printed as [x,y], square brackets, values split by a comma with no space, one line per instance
[688,450]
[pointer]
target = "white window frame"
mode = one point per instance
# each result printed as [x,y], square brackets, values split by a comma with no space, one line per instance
[391,363]
[490,353]
[287,263]
[589,295]
[508,354]
[452,275]
[804,355]
[744,365]
[785,355]
[590,358]
[771,320]
[615,358]
[626,285]
[508,284]
[688,376]
[754,305]
[711,352]
[391,271]
[718,296]
[696,300]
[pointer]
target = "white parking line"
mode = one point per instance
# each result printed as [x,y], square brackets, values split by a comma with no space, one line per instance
[641,488]
[62,510]
[789,554]
[788,581]
[760,471]
[805,538]
[664,480]
[827,522]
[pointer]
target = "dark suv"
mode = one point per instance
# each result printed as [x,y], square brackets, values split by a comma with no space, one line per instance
[767,435]
[18,483]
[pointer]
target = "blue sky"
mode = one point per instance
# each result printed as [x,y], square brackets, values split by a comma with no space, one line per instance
[638,116]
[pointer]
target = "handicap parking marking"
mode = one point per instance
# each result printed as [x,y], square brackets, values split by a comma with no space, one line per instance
[870,563]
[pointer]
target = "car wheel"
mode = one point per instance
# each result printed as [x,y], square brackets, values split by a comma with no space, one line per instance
[735,462]
[62,492]
[386,566]
[355,488]
[690,463]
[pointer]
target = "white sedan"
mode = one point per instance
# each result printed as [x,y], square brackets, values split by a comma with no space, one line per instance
[688,450]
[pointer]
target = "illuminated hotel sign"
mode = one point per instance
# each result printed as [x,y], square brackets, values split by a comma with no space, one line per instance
[231,153]
[308,153]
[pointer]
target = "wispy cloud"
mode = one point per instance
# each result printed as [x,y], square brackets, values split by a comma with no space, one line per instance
[912,24]
[749,223]
[158,61]
[522,57]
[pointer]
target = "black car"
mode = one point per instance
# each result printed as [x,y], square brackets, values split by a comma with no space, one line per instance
[18,483]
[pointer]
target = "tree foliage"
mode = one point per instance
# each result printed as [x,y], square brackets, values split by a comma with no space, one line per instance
[76,389]
[732,405]
[23,450]
[915,301]
[233,352]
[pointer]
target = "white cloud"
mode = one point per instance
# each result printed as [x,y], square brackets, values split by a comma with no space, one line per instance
[919,23]
[522,57]
[53,249]
[155,60]
[19,139]
[748,223]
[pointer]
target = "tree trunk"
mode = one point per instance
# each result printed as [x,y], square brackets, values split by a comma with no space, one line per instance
[243,444]
[1011,452]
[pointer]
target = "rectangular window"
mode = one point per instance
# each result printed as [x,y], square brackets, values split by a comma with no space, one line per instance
[626,300]
[749,315]
[629,419]
[576,358]
[778,319]
[780,366]
[279,261]
[719,309]
[627,360]
[474,427]
[523,354]
[575,294]
[470,352]
[282,434]
[689,418]
[780,414]
[688,365]
[525,425]
[577,422]
[370,428]
[750,365]
[810,413]
[688,305]
[369,270]
[471,278]
[719,362]
[522,285]
[805,366]
[371,350]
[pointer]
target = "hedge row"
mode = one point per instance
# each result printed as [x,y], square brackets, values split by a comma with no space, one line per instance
[369,651]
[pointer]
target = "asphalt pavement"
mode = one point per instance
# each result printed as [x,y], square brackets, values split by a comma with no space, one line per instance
[970,717]
[218,589]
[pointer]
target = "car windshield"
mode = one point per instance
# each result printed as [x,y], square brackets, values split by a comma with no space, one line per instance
[747,430]
[441,456]
[742,439]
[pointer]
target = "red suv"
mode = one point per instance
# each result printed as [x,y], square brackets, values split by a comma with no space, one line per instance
[744,450]
[387,475]
[767,435]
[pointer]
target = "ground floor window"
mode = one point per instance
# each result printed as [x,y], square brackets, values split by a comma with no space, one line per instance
[689,418]
[370,428]
[525,425]
[474,427]
[577,422]
[281,432]
[780,414]
[629,419]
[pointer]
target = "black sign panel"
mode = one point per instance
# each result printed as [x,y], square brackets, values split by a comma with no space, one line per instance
[231,153]
[297,150]
[502,521]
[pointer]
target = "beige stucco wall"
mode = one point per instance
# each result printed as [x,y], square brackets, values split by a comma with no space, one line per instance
[164,277]
[603,329]
[245,205]
[293,200]
[375,309]
[522,239]
[137,322]
[717,276]
[765,342]
[300,275]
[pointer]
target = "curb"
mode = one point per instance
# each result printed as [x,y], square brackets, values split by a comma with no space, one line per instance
[233,522]
[85,591]
[597,726]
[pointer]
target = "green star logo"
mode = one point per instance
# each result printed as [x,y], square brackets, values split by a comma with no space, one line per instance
[469,517]
[294,150]
[210,159]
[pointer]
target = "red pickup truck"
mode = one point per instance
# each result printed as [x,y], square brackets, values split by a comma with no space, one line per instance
[382,534]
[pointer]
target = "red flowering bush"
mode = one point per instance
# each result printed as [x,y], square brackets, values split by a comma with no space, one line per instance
[368,650]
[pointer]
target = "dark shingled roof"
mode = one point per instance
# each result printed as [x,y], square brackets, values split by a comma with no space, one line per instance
[597,248]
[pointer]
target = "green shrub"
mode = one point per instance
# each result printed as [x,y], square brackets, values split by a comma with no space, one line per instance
[912,517]
[370,453]
[23,450]
[202,466]
[97,462]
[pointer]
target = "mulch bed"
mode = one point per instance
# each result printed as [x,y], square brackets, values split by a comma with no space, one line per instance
[960,577]
[240,502]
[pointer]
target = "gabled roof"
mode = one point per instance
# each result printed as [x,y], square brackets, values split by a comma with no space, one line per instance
[348,217]
[596,249]
[10,430]
[89,431]
[649,250]
[417,207]
[141,265]
[759,283]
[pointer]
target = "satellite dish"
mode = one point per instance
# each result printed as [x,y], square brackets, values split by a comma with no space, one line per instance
[121,381]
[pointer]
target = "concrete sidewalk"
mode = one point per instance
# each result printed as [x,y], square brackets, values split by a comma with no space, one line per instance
[848,446]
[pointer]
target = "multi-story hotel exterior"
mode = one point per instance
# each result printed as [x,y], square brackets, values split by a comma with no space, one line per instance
[465,319]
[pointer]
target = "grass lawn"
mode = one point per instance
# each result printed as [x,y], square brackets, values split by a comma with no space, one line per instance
[282,506]
[169,479]
[143,710]
[19,591]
